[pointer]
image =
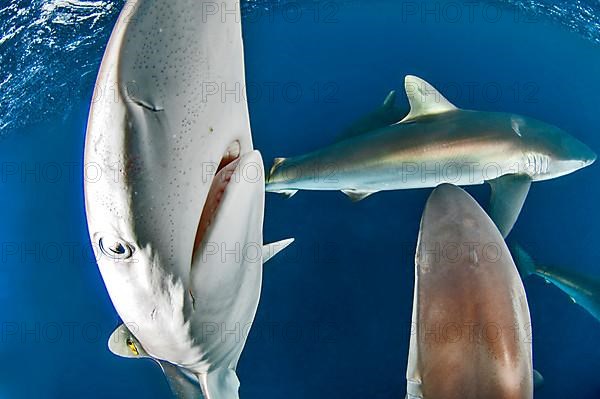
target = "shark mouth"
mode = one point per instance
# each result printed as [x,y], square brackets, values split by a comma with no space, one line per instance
[219,184]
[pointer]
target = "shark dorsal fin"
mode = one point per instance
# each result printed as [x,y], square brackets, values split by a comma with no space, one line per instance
[424,99]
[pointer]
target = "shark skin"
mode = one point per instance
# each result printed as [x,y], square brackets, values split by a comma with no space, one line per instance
[174,192]
[583,290]
[439,143]
[470,316]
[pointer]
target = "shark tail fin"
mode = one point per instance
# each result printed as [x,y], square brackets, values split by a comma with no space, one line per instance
[523,261]
[276,164]
[221,383]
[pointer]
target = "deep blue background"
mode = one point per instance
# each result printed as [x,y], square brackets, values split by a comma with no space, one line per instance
[334,319]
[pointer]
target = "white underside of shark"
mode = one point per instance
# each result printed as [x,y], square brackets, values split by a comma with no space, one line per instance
[175,206]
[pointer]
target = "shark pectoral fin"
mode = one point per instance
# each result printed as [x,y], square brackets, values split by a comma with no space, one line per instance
[270,250]
[356,195]
[523,261]
[508,195]
[221,383]
[424,99]
[183,383]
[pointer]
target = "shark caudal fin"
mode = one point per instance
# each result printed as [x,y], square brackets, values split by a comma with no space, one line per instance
[221,383]
[523,261]
[277,162]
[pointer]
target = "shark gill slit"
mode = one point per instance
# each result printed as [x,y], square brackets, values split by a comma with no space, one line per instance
[221,179]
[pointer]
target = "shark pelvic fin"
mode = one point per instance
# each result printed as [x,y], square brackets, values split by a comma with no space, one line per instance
[286,193]
[270,250]
[356,195]
[424,99]
[508,195]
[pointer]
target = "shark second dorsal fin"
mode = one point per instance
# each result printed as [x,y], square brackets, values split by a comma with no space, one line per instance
[424,99]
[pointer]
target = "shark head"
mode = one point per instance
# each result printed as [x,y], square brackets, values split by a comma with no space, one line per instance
[554,152]
[170,170]
[465,276]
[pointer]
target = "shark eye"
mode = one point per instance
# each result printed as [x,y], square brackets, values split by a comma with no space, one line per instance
[115,248]
[132,347]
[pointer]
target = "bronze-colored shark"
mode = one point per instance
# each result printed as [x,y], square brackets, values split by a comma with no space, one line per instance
[470,317]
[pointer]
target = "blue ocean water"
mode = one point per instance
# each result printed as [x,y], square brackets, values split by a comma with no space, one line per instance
[334,318]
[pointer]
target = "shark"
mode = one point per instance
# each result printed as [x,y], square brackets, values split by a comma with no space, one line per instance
[583,290]
[435,143]
[174,192]
[470,320]
[386,114]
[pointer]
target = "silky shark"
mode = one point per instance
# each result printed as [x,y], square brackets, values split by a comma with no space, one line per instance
[471,322]
[174,192]
[439,143]
[583,290]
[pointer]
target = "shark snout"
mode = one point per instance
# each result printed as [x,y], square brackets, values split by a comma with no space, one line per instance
[590,159]
[583,153]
